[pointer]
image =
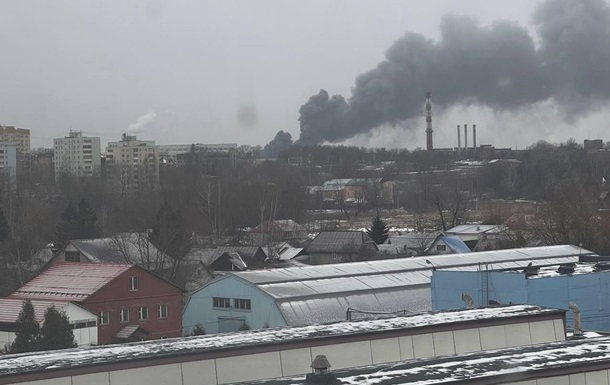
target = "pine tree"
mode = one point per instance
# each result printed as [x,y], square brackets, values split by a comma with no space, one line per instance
[26,333]
[56,332]
[379,230]
[66,227]
[5,231]
[86,220]
[169,234]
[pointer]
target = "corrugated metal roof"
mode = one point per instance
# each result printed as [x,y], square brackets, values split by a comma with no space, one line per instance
[475,229]
[128,331]
[500,259]
[10,308]
[320,294]
[70,281]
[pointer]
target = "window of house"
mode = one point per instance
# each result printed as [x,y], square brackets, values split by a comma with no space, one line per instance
[221,302]
[162,311]
[124,315]
[143,312]
[72,256]
[441,247]
[104,317]
[242,304]
[133,283]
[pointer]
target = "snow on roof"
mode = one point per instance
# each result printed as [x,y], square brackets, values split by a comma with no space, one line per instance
[475,229]
[499,259]
[290,252]
[411,240]
[10,308]
[338,241]
[71,358]
[70,281]
[497,366]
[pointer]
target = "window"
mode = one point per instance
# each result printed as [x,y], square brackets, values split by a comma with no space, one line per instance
[441,247]
[242,304]
[104,317]
[221,302]
[143,313]
[72,256]
[124,315]
[133,283]
[162,311]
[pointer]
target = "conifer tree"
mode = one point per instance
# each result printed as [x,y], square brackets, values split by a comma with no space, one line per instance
[169,233]
[26,333]
[379,230]
[56,332]
[76,223]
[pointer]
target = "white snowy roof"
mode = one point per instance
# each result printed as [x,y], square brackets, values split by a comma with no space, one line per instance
[322,294]
[80,357]
[505,366]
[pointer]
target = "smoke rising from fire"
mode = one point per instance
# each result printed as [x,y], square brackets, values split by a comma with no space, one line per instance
[501,67]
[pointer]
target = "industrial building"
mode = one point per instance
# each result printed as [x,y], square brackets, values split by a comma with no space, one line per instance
[320,294]
[76,155]
[252,355]
[585,284]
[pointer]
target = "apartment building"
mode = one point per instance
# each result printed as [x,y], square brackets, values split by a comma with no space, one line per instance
[76,155]
[206,156]
[8,159]
[133,165]
[20,136]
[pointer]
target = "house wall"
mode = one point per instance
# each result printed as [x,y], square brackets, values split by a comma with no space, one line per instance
[434,250]
[152,292]
[199,308]
[591,292]
[341,354]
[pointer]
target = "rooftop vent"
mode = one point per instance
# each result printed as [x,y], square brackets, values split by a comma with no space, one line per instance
[320,374]
[602,266]
[566,268]
[530,269]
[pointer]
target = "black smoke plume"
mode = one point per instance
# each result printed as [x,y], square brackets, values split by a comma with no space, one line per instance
[498,66]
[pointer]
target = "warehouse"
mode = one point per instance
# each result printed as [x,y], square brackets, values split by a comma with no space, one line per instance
[320,294]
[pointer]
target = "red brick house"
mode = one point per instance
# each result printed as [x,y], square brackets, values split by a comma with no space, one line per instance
[132,303]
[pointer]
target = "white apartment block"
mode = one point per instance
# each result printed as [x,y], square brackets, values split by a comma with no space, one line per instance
[133,165]
[20,136]
[77,155]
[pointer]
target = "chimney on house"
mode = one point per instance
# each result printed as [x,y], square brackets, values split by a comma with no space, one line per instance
[465,137]
[576,315]
[459,138]
[474,137]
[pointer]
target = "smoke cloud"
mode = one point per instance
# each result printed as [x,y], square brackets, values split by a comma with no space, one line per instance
[501,67]
[142,123]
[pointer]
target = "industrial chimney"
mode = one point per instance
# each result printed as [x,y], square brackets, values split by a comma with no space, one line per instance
[474,137]
[459,138]
[465,137]
[429,145]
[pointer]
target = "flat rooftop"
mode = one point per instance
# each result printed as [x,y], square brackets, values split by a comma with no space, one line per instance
[160,349]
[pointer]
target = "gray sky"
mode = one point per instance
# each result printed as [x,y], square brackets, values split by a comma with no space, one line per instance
[219,71]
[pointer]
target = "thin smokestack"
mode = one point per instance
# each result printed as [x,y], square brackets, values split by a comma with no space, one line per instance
[465,137]
[474,136]
[459,138]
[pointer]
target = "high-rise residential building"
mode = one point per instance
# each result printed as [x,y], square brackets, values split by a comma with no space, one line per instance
[20,136]
[132,165]
[8,159]
[76,155]
[206,156]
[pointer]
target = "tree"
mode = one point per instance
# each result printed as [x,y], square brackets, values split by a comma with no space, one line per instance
[378,230]
[198,330]
[56,332]
[169,234]
[245,326]
[26,333]
[77,223]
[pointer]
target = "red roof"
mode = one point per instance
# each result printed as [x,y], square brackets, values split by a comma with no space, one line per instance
[10,308]
[70,281]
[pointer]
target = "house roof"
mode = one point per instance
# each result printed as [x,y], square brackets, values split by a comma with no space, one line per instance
[455,243]
[235,260]
[128,331]
[411,240]
[70,281]
[10,308]
[123,248]
[319,294]
[338,241]
[475,229]
[244,251]
[285,225]
[290,252]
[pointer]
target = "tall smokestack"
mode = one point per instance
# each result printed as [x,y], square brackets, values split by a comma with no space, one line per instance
[429,145]
[459,138]
[474,137]
[465,137]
